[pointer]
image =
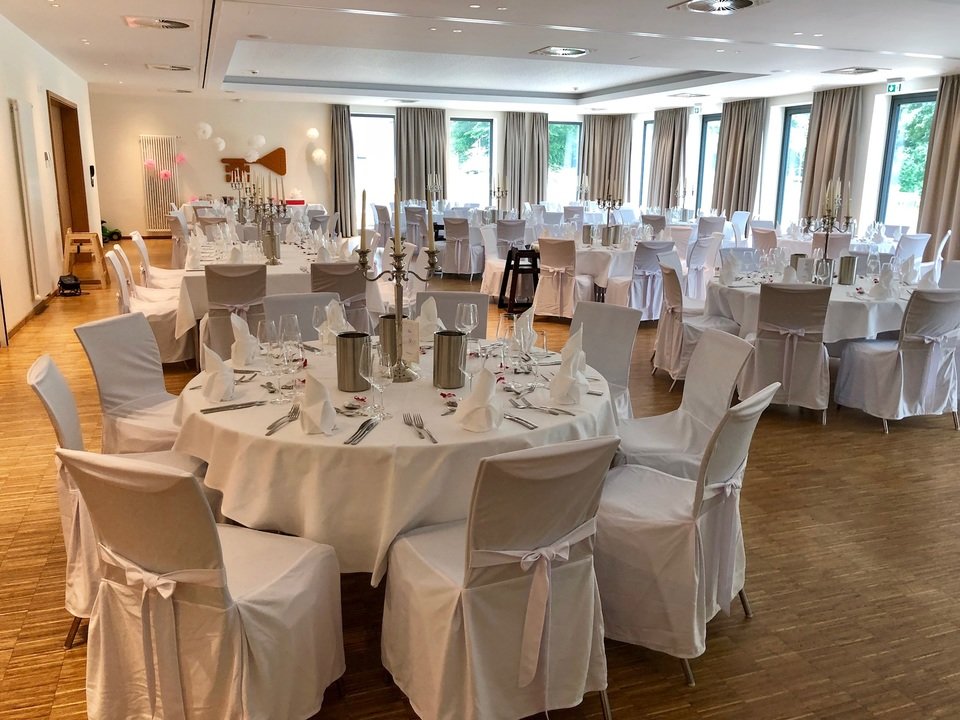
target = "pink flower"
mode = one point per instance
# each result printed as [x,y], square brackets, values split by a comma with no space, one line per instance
[150,164]
[180,159]
[165,174]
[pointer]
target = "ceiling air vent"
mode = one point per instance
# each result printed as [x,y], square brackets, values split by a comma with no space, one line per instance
[169,68]
[562,52]
[717,7]
[851,71]
[155,23]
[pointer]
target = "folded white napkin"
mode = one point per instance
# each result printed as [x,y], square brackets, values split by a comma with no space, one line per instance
[429,322]
[219,384]
[523,331]
[886,288]
[570,384]
[245,346]
[193,259]
[909,271]
[335,323]
[323,255]
[929,280]
[317,415]
[729,270]
[236,255]
[789,276]
[480,411]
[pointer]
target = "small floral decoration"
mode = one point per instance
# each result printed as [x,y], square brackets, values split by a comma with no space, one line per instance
[360,398]
[447,396]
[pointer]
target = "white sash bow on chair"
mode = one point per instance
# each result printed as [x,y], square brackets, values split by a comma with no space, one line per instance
[559,274]
[934,358]
[240,310]
[789,349]
[725,542]
[535,641]
[161,619]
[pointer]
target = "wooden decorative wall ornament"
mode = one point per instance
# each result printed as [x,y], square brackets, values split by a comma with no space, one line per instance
[275,161]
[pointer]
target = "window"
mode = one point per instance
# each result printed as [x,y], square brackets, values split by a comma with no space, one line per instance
[563,175]
[373,161]
[908,136]
[469,161]
[645,157]
[793,152]
[709,146]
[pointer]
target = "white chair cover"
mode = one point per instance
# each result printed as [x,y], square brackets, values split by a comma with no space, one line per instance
[657,222]
[762,225]
[574,214]
[674,442]
[138,290]
[763,239]
[512,233]
[839,244]
[702,263]
[180,232]
[416,223]
[560,287]
[740,219]
[789,346]
[493,263]
[447,302]
[644,290]
[912,245]
[462,255]
[499,617]
[670,551]
[199,620]
[915,375]
[745,258]
[154,277]
[950,276]
[677,332]
[552,218]
[301,305]
[137,409]
[350,285]
[609,334]
[232,289]
[939,257]
[161,315]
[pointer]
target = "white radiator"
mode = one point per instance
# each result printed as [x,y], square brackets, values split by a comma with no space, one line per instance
[158,194]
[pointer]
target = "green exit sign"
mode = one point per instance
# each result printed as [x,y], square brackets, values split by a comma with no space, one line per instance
[894,87]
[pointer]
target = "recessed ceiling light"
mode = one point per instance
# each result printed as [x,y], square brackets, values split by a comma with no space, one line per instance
[254,72]
[925,56]
[433,29]
[687,95]
[457,30]
[106,64]
[120,81]
[501,8]
[475,7]
[169,68]
[818,34]
[851,71]
[720,50]
[718,7]
[155,23]
[54,4]
[258,36]
[84,41]
[797,34]
[564,52]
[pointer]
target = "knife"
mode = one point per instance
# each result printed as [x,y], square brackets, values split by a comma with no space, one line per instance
[366,431]
[520,421]
[235,406]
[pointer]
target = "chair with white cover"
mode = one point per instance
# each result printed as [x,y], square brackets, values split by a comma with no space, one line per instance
[895,231]
[447,302]
[789,347]
[762,225]
[746,259]
[912,246]
[628,216]
[499,616]
[939,258]
[154,277]
[950,275]
[609,334]
[136,289]
[915,375]
[670,552]
[674,442]
[671,259]
[383,224]
[232,289]
[332,230]
[301,305]
[416,223]
[839,244]
[707,225]
[552,218]
[196,620]
[137,409]
[180,234]
[740,219]
[702,261]
[573,213]
[494,262]
[644,289]
[83,565]
[161,315]
[512,232]
[318,220]
[560,287]
[763,239]
[657,222]
[351,286]
[460,255]
[678,332]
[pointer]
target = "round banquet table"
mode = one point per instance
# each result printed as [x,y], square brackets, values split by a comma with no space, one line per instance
[849,316]
[359,498]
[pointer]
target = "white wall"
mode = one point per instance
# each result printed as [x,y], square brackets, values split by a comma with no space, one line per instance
[27,72]
[119,120]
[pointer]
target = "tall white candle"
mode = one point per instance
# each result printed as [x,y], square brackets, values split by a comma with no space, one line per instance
[363,221]
[397,244]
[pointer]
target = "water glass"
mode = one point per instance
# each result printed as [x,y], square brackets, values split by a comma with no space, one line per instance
[377,369]
[266,340]
[472,359]
[319,316]
[466,319]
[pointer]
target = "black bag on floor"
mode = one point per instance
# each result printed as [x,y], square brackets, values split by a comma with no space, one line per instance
[69,285]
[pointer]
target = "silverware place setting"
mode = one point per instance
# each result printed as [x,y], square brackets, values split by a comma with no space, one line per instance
[408,421]
[285,420]
[234,406]
[520,421]
[366,427]
[418,424]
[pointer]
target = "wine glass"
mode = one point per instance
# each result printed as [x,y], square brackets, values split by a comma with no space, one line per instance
[821,272]
[505,337]
[266,338]
[319,316]
[291,386]
[466,319]
[376,369]
[471,360]
[873,262]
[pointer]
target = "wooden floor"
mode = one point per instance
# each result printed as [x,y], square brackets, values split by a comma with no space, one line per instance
[853,566]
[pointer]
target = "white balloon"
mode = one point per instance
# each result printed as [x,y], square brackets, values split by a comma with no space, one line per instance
[252,156]
[204,131]
[257,141]
[313,134]
[319,156]
[220,144]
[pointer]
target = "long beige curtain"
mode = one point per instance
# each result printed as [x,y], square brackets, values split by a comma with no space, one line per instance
[940,202]
[667,176]
[738,156]
[831,144]
[421,150]
[605,154]
[341,166]
[525,155]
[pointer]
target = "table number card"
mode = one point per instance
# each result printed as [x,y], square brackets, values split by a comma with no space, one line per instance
[411,341]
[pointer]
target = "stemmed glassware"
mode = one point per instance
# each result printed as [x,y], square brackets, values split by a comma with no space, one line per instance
[266,340]
[505,337]
[821,272]
[466,318]
[471,360]
[292,353]
[319,316]
[873,262]
[376,369]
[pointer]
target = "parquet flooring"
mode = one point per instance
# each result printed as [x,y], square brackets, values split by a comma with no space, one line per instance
[853,552]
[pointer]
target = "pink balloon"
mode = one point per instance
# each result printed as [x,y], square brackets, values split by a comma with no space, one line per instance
[150,164]
[165,174]
[180,159]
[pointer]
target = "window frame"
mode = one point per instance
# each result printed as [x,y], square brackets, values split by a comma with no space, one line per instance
[579,124]
[705,120]
[644,181]
[788,114]
[489,122]
[893,121]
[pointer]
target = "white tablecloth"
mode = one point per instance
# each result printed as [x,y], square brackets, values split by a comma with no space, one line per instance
[805,247]
[292,275]
[849,316]
[359,498]
[603,263]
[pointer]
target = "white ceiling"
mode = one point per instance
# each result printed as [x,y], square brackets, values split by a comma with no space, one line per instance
[376,51]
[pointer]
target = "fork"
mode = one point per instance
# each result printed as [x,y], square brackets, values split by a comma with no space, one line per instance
[285,420]
[525,406]
[418,423]
[551,410]
[408,420]
[359,431]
